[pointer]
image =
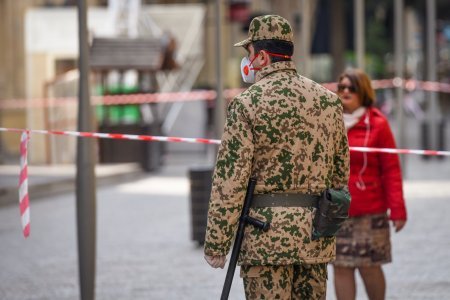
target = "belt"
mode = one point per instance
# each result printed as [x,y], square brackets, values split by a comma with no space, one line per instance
[285,200]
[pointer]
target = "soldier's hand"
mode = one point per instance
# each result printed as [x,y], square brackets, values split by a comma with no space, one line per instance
[399,224]
[216,261]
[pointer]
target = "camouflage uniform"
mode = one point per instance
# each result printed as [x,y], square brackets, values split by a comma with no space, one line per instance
[287,131]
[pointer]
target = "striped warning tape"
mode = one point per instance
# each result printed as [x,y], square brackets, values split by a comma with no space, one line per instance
[204,95]
[120,136]
[205,141]
[401,151]
[23,178]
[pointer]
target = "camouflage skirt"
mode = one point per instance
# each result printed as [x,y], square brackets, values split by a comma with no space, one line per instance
[363,242]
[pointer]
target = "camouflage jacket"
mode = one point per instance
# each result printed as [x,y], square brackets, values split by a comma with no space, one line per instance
[287,131]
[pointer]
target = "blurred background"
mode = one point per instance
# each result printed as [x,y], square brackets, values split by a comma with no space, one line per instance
[144,46]
[169,68]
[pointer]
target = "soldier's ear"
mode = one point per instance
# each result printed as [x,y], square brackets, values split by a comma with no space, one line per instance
[264,58]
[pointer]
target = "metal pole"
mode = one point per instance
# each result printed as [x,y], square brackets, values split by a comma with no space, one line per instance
[359,32]
[219,111]
[337,47]
[432,108]
[85,178]
[305,38]
[1,138]
[399,63]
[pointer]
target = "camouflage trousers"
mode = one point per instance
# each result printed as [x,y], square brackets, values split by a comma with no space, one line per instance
[306,281]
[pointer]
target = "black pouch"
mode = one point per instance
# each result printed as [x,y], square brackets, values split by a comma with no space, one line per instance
[331,212]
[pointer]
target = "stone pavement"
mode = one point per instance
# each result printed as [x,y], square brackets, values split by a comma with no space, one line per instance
[45,180]
[144,246]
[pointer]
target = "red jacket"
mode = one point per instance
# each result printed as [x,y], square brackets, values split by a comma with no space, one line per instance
[378,186]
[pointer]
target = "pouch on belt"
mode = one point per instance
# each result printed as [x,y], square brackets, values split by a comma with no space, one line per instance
[331,212]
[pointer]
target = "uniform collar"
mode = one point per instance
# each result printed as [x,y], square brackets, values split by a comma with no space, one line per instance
[278,66]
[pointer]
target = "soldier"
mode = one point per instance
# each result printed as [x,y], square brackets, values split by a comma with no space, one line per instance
[288,132]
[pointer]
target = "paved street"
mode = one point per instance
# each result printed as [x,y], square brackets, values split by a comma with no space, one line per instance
[145,251]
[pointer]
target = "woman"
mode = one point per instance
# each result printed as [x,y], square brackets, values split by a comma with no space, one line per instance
[375,184]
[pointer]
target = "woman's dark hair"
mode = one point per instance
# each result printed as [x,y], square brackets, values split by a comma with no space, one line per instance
[275,46]
[361,82]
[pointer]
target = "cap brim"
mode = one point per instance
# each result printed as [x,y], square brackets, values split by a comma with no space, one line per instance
[243,43]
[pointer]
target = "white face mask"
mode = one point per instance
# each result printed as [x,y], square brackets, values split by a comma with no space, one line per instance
[247,70]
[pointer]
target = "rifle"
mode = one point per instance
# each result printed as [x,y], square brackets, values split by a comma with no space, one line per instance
[243,220]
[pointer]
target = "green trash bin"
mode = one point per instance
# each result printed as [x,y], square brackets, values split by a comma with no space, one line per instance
[114,114]
[130,114]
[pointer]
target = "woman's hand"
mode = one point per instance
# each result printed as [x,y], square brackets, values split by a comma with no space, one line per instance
[399,224]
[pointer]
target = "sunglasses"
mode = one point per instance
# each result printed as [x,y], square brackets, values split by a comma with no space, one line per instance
[342,87]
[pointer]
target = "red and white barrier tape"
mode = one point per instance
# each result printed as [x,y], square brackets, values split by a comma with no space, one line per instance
[24,201]
[204,141]
[401,151]
[205,95]
[118,136]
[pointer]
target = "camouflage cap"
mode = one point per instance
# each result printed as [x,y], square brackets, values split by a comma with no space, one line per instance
[268,27]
